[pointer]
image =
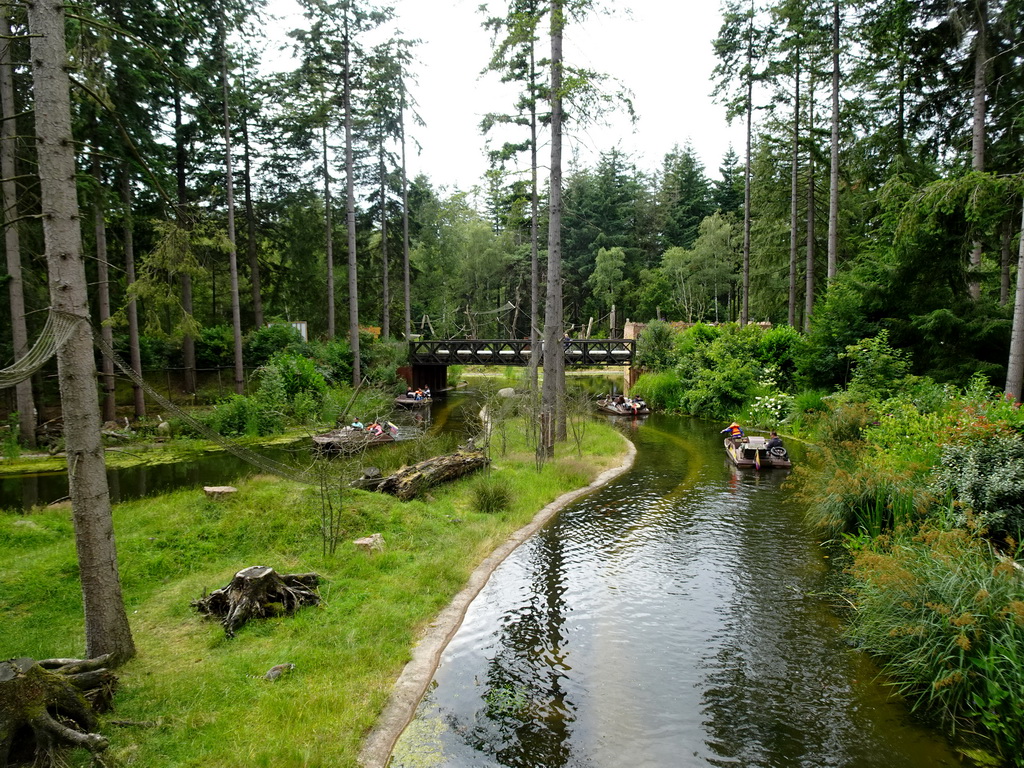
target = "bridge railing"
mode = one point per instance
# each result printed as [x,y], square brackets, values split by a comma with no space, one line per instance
[588,352]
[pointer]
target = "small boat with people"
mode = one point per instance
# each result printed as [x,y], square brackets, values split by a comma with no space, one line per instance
[755,451]
[620,405]
[415,398]
[355,437]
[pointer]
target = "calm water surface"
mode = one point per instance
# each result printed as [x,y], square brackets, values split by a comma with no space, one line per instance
[674,618]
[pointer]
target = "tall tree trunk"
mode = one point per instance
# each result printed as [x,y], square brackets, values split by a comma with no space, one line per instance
[554,355]
[833,179]
[385,289]
[250,228]
[236,310]
[350,210]
[794,193]
[745,300]
[535,348]
[978,124]
[106,624]
[1015,366]
[329,236]
[188,344]
[809,267]
[128,238]
[103,291]
[12,237]
[1005,237]
[405,226]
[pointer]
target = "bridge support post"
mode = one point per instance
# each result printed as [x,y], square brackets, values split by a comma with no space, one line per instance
[433,376]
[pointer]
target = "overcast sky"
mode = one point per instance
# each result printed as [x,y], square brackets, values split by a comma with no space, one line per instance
[661,51]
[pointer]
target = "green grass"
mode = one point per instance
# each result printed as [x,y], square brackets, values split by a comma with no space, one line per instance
[202,689]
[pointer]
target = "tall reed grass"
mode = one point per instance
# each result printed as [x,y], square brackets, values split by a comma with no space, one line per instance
[946,613]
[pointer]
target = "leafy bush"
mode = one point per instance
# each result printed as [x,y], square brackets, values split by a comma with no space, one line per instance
[215,347]
[263,343]
[290,374]
[655,348]
[986,478]
[780,347]
[660,390]
[878,369]
[154,352]
[947,616]
[718,369]
[241,415]
[334,359]
[380,359]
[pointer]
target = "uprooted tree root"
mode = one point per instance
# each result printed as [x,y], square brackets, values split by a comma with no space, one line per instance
[258,591]
[50,705]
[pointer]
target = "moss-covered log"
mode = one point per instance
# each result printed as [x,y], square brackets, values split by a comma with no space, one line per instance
[258,591]
[409,482]
[49,706]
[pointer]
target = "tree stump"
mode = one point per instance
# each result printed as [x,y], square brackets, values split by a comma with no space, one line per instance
[258,591]
[51,705]
[408,482]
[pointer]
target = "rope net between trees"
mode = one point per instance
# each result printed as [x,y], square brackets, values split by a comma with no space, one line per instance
[56,332]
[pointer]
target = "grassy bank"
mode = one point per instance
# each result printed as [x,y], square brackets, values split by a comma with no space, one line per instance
[203,691]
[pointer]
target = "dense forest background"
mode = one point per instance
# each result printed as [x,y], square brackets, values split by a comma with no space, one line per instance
[880,188]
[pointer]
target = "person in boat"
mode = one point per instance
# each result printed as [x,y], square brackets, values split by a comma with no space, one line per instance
[410,393]
[638,405]
[419,394]
[356,424]
[375,429]
[774,441]
[426,392]
[734,431]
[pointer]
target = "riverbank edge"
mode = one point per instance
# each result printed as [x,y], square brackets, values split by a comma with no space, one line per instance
[412,683]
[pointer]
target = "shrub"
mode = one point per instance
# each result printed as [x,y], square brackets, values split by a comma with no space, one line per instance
[263,343]
[660,390]
[215,347]
[779,348]
[655,348]
[334,359]
[878,369]
[947,616]
[295,374]
[241,415]
[986,478]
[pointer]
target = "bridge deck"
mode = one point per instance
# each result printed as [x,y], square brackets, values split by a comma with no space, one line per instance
[588,352]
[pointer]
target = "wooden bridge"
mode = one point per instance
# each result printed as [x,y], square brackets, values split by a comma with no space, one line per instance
[429,359]
[588,352]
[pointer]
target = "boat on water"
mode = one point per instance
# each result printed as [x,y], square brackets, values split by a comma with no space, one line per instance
[405,401]
[754,452]
[352,439]
[625,408]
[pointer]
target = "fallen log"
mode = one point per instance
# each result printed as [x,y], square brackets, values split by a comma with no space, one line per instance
[258,591]
[408,482]
[49,706]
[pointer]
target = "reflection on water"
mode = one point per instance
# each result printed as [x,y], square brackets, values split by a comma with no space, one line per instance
[673,618]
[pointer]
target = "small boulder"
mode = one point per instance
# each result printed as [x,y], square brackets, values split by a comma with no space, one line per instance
[219,491]
[374,543]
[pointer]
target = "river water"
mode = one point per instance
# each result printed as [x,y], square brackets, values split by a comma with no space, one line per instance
[676,617]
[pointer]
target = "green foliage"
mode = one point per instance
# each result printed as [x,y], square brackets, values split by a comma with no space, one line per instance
[838,321]
[263,343]
[381,358]
[491,495]
[878,369]
[718,376]
[660,390]
[9,446]
[215,347]
[334,359]
[986,478]
[655,347]
[947,616]
[780,347]
[240,415]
